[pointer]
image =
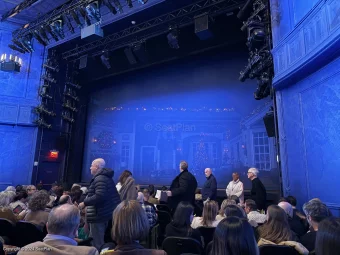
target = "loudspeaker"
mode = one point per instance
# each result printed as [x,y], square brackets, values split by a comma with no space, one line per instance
[129,54]
[202,26]
[83,62]
[269,122]
[140,52]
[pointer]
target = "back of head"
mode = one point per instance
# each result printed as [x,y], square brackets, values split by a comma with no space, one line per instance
[276,229]
[210,211]
[39,200]
[64,199]
[235,198]
[251,205]
[125,174]
[140,197]
[316,210]
[287,207]
[254,171]
[63,220]
[292,200]
[20,195]
[75,187]
[151,189]
[130,223]
[234,236]
[19,188]
[183,214]
[234,210]
[183,165]
[328,237]
[224,204]
[10,188]
[6,197]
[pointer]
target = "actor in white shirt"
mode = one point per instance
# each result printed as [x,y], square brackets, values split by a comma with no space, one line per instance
[235,187]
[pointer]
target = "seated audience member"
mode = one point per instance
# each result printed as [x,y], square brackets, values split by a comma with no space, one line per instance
[221,212]
[19,202]
[146,194]
[6,197]
[235,198]
[208,218]
[328,237]
[128,190]
[130,225]
[62,228]
[58,192]
[10,188]
[296,212]
[315,213]
[294,222]
[252,214]
[152,198]
[276,230]
[234,236]
[181,223]
[30,189]
[65,199]
[236,211]
[19,188]
[77,195]
[37,205]
[149,210]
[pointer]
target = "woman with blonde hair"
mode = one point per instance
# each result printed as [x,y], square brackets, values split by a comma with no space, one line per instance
[129,226]
[225,203]
[208,218]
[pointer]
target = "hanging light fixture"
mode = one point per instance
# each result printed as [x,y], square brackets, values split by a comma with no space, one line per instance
[10,63]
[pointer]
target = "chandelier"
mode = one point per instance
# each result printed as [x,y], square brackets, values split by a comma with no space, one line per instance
[10,63]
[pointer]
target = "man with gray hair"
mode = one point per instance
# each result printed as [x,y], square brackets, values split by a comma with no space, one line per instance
[102,198]
[258,191]
[62,227]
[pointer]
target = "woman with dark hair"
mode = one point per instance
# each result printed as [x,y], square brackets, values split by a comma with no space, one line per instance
[276,230]
[128,191]
[235,210]
[181,223]
[122,178]
[328,237]
[221,213]
[234,236]
[19,202]
[208,219]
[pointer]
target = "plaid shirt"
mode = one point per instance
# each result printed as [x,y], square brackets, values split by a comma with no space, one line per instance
[150,213]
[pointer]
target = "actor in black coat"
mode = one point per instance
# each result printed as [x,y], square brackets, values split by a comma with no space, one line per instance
[258,193]
[209,189]
[183,187]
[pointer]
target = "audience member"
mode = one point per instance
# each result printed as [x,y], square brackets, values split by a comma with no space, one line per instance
[181,223]
[10,188]
[122,178]
[258,191]
[328,237]
[296,213]
[128,190]
[252,214]
[235,188]
[294,222]
[152,198]
[130,226]
[19,188]
[62,228]
[65,199]
[236,211]
[149,210]
[315,212]
[101,200]
[37,205]
[221,212]
[31,189]
[146,194]
[183,187]
[6,197]
[208,218]
[19,202]
[234,236]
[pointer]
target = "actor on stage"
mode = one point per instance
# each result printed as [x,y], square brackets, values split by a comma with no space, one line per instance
[209,190]
[235,188]
[258,191]
[183,187]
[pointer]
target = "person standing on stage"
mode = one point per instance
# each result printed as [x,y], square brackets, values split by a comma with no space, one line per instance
[209,190]
[235,188]
[258,191]
[183,187]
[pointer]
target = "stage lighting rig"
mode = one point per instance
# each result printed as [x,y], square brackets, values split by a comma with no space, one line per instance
[27,43]
[84,15]
[106,60]
[73,85]
[41,123]
[65,116]
[264,86]
[57,28]
[14,47]
[71,94]
[76,18]
[48,77]
[143,1]
[108,4]
[49,65]
[118,6]
[93,10]
[129,3]
[68,105]
[38,37]
[67,21]
[42,110]
[49,30]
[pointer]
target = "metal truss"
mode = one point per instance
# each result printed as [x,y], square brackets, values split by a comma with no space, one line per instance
[17,9]
[50,17]
[180,17]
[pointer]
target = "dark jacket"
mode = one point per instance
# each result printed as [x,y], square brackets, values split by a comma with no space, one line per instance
[209,189]
[102,197]
[308,240]
[258,194]
[172,230]
[183,188]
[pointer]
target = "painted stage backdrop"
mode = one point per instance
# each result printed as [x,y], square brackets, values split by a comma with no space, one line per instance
[194,110]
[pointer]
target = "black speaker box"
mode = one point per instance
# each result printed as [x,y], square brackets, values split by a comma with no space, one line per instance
[269,122]
[202,26]
[83,62]
[129,54]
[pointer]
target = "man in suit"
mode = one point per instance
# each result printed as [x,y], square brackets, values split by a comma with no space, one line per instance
[209,190]
[62,227]
[258,191]
[183,187]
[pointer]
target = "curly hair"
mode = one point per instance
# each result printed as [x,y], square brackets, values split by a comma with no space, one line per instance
[38,201]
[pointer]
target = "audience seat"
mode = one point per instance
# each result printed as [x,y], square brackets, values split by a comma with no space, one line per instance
[6,229]
[151,242]
[164,218]
[277,250]
[163,208]
[180,245]
[107,246]
[207,233]
[26,233]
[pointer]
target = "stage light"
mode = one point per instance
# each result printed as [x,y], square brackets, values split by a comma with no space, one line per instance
[118,6]
[173,38]
[49,78]
[143,1]
[93,11]
[19,45]
[66,116]
[10,63]
[37,36]
[256,38]
[108,4]
[42,110]
[43,34]
[67,21]
[264,87]
[48,30]
[73,85]
[49,65]
[41,123]
[83,13]
[129,3]
[68,105]
[245,10]
[76,18]
[14,47]
[27,43]
[71,94]
[57,28]
[105,60]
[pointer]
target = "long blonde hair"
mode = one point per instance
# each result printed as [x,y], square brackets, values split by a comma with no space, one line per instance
[210,211]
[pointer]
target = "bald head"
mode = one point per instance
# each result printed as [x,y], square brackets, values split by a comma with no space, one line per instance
[65,199]
[207,172]
[64,220]
[97,165]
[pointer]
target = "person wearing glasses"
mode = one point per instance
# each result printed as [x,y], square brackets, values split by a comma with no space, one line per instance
[258,191]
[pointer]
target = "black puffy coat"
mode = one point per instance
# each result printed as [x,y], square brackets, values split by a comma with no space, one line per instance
[102,197]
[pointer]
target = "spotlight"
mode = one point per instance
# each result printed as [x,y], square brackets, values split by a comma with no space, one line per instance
[256,38]
[45,95]
[68,105]
[105,60]
[42,123]
[48,30]
[83,13]
[93,11]
[14,47]
[143,1]
[43,110]
[39,38]
[67,21]
[27,43]
[108,4]
[73,85]
[47,77]
[173,38]
[71,94]
[43,34]
[57,27]
[263,89]
[66,117]
[118,6]
[76,18]
[129,3]
[49,65]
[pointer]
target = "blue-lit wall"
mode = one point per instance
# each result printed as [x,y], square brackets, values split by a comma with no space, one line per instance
[18,94]
[306,38]
[147,121]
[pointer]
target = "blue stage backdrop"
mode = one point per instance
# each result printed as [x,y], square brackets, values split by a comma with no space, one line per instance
[193,109]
